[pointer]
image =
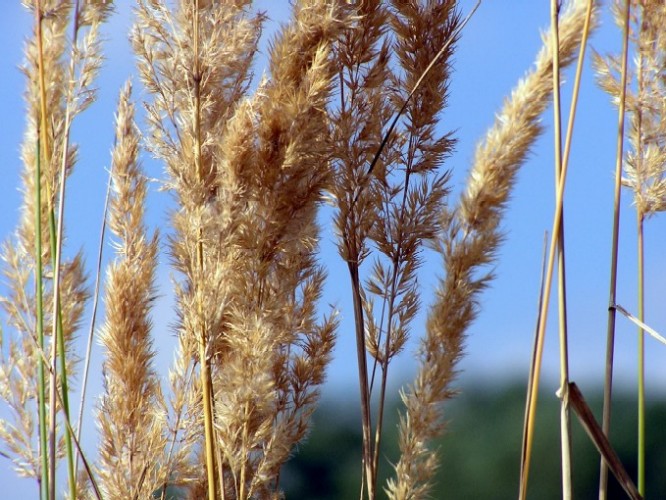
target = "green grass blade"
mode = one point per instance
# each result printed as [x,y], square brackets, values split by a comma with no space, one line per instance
[62,355]
[44,483]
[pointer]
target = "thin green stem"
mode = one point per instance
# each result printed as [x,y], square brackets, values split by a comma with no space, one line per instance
[56,249]
[44,483]
[47,157]
[641,357]
[59,350]
[610,334]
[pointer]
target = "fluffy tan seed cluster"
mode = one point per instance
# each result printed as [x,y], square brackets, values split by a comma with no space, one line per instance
[645,162]
[131,414]
[248,173]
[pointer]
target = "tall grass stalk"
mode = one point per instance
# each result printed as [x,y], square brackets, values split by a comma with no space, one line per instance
[610,334]
[641,352]
[565,424]
[587,24]
[563,328]
[57,338]
[45,147]
[39,282]
[204,355]
[56,223]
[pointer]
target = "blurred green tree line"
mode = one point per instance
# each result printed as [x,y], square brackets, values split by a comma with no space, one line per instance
[480,452]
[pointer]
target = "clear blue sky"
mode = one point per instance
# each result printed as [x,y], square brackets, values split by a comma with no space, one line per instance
[496,48]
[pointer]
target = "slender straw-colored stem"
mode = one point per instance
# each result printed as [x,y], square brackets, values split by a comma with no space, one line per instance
[522,491]
[565,424]
[641,356]
[610,334]
[44,482]
[555,233]
[531,413]
[206,385]
[564,348]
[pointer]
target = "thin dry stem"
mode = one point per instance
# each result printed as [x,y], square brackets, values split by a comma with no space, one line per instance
[610,333]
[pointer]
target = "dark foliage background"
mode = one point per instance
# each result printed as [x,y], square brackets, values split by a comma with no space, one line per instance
[480,453]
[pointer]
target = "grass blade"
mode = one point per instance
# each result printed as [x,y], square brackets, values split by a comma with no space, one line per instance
[600,441]
[44,484]
[640,324]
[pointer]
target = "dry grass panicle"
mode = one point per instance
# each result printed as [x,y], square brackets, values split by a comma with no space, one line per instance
[283,174]
[193,99]
[644,165]
[389,199]
[249,173]
[129,460]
